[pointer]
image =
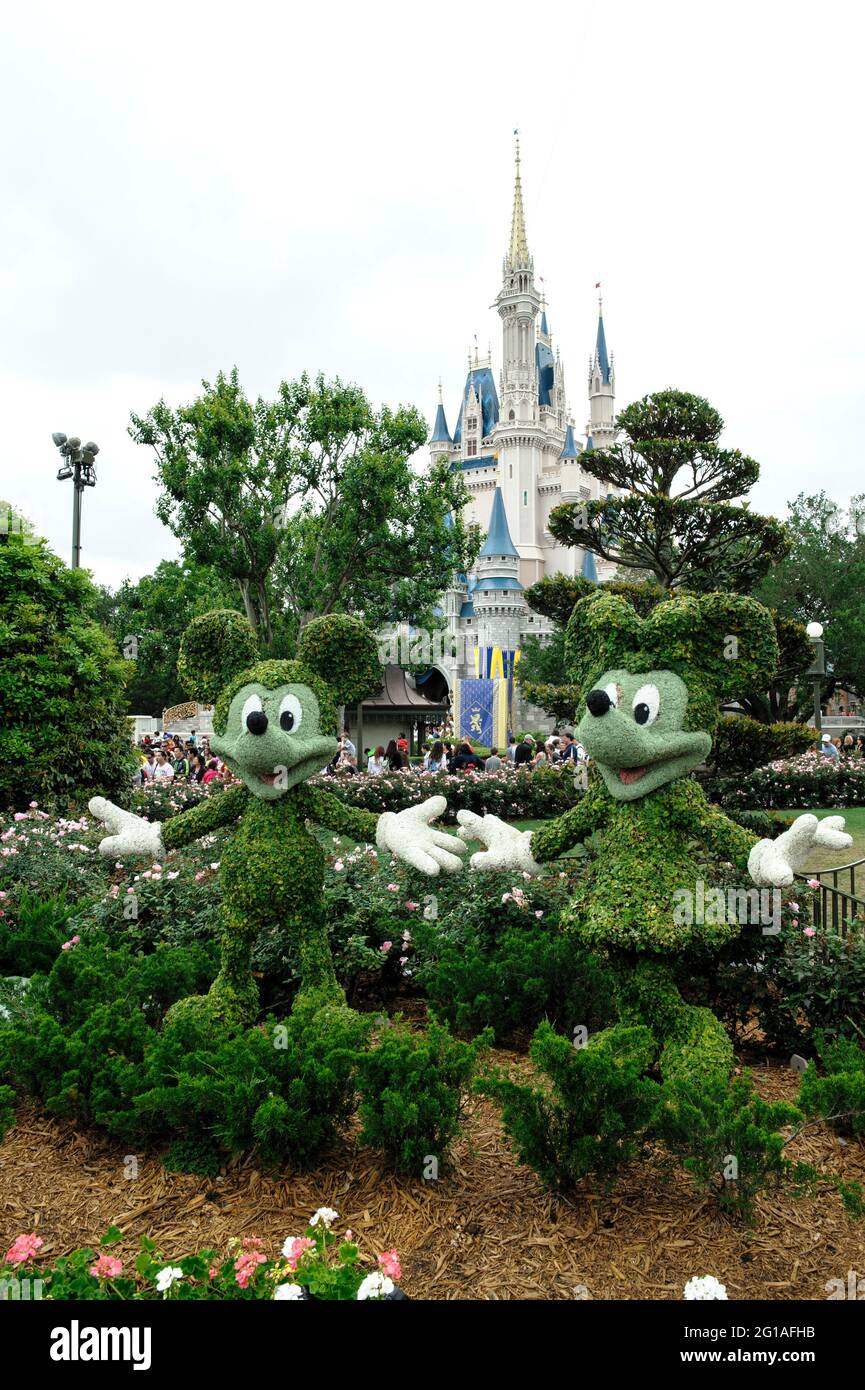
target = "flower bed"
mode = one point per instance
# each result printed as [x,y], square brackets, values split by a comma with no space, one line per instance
[809,780]
[512,794]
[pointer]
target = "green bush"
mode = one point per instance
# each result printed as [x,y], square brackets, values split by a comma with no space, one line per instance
[740,744]
[591,1114]
[410,1088]
[728,1138]
[836,1091]
[33,933]
[62,727]
[513,794]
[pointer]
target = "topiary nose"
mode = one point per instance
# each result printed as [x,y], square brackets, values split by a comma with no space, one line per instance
[598,702]
[256,721]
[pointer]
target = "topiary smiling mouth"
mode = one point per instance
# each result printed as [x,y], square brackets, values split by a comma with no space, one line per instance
[631,774]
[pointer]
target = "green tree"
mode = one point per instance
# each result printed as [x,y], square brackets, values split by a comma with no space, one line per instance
[62,727]
[677,522]
[368,533]
[823,579]
[148,619]
[309,502]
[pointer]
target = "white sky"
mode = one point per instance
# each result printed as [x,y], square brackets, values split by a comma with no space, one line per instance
[187,186]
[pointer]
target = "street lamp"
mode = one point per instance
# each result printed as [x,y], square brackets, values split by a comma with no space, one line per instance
[817,669]
[79,464]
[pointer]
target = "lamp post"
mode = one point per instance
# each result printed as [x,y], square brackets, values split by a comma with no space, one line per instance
[79,464]
[817,669]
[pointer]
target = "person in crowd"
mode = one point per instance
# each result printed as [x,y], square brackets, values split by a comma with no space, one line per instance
[394,757]
[376,765]
[426,750]
[493,762]
[540,759]
[163,772]
[512,748]
[193,738]
[569,748]
[347,765]
[211,772]
[849,745]
[437,762]
[524,751]
[180,763]
[467,759]
[348,746]
[197,768]
[827,747]
[860,745]
[148,767]
[367,754]
[450,755]
[402,746]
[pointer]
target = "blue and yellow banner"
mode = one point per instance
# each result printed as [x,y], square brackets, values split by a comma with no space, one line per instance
[481,711]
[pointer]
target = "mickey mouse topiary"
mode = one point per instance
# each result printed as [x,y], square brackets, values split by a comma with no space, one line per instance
[650,694]
[275,726]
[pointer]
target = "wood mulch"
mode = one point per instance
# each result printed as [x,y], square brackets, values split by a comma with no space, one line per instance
[486,1230]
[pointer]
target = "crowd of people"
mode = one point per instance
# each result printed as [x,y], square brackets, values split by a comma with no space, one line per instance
[850,746]
[173,758]
[445,754]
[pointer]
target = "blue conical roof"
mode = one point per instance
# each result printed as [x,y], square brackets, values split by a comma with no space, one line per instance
[590,569]
[498,541]
[569,448]
[590,443]
[441,433]
[601,352]
[544,328]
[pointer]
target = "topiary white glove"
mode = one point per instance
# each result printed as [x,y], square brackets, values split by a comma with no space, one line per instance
[506,847]
[409,835]
[773,863]
[130,835]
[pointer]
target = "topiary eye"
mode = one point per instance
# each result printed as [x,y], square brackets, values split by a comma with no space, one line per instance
[290,713]
[251,705]
[646,704]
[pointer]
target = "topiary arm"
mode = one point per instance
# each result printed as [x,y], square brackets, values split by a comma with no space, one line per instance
[326,809]
[591,813]
[220,808]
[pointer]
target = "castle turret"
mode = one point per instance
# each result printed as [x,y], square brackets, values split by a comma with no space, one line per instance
[440,441]
[602,391]
[498,594]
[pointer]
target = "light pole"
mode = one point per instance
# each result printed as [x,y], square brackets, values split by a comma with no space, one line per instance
[79,464]
[817,669]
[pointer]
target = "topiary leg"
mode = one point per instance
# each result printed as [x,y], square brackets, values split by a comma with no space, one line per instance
[691,1041]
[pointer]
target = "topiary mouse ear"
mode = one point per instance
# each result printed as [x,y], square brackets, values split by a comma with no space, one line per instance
[215,648]
[344,653]
[736,643]
[601,628]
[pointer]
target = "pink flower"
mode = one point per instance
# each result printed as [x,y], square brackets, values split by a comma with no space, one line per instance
[33,805]
[106,1267]
[23,1248]
[129,891]
[813,883]
[795,921]
[539,912]
[403,960]
[393,887]
[385,946]
[389,1264]
[245,1266]
[198,877]
[412,907]
[795,907]
[213,1271]
[809,931]
[338,866]
[295,1248]
[349,1235]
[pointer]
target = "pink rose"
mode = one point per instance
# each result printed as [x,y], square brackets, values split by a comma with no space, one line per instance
[385,946]
[809,931]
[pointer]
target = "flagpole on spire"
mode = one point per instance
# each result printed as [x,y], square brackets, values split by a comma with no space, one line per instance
[518,253]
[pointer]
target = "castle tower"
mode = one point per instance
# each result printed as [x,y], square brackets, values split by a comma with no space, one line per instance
[600,430]
[440,440]
[498,594]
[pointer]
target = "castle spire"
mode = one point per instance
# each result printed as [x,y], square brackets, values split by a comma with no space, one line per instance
[518,252]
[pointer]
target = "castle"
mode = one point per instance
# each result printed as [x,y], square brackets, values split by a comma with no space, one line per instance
[516,448]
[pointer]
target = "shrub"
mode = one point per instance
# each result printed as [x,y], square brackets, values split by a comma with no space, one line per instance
[411,1088]
[728,1138]
[62,727]
[740,744]
[593,1113]
[836,1093]
[33,933]
[513,794]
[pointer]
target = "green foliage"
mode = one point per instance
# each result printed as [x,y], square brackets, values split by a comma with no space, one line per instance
[555,596]
[593,1111]
[694,538]
[33,934]
[741,744]
[216,646]
[410,1088]
[7,1111]
[62,727]
[835,1091]
[823,578]
[727,1137]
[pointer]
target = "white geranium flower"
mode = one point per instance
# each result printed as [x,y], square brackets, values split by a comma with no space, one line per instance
[326,1215]
[288,1293]
[288,1246]
[375,1286]
[703,1287]
[168,1276]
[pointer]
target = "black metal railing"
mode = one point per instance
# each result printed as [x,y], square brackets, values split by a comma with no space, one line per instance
[836,905]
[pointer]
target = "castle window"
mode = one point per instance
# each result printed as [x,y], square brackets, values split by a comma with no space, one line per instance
[511,415]
[472,422]
[510,470]
[525,499]
[472,448]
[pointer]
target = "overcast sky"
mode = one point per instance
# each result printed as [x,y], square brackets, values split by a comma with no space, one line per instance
[187,186]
